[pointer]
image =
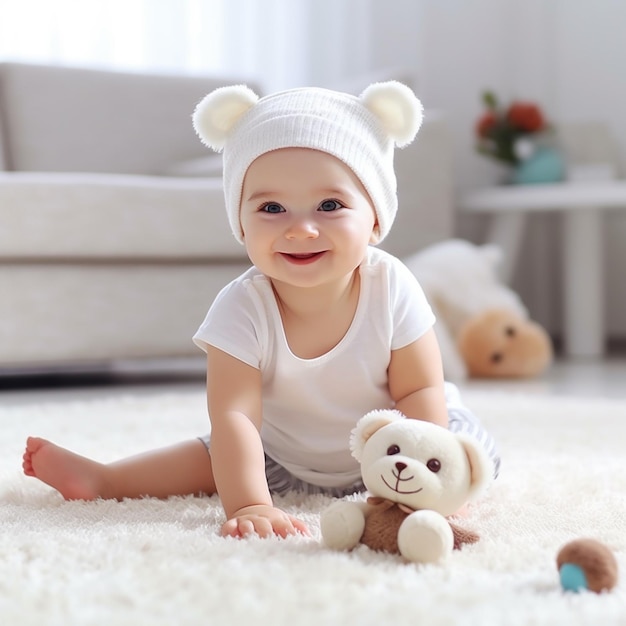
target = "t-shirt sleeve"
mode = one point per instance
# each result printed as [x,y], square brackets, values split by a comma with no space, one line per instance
[412,314]
[231,325]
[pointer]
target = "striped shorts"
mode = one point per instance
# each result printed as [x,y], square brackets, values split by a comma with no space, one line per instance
[460,420]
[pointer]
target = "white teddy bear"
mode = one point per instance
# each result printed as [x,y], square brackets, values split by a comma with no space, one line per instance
[418,473]
[460,280]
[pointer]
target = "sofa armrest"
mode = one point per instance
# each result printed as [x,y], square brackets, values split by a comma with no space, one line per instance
[62,215]
[209,166]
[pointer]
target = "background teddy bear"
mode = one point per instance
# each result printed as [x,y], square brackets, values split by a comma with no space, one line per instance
[482,325]
[416,473]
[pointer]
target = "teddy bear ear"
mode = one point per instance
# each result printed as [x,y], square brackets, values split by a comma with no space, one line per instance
[397,108]
[368,425]
[217,113]
[481,466]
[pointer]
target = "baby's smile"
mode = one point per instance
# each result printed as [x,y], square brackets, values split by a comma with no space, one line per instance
[302,258]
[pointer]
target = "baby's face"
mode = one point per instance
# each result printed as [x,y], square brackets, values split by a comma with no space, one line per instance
[306,218]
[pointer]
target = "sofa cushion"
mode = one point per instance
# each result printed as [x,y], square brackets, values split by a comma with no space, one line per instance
[67,119]
[113,216]
[85,312]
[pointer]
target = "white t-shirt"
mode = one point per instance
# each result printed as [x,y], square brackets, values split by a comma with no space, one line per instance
[310,406]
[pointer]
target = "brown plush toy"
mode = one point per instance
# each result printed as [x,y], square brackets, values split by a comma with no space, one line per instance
[587,564]
[498,343]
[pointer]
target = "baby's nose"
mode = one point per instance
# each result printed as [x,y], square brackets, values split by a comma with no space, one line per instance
[304,227]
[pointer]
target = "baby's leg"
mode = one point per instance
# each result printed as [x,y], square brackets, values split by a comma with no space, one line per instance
[181,469]
[462,420]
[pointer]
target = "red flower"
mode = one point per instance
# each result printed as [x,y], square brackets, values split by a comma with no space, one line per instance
[525,116]
[498,129]
[485,124]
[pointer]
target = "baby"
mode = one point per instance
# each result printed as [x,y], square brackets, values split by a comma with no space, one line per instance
[323,327]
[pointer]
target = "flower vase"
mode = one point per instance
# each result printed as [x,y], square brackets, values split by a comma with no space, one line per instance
[545,165]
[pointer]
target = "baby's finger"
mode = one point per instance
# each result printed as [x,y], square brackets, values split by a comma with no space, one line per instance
[284,527]
[229,529]
[263,527]
[246,527]
[300,526]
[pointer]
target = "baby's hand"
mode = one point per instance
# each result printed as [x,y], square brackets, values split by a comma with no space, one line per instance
[264,521]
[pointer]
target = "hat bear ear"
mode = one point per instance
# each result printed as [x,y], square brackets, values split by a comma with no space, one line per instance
[216,114]
[398,109]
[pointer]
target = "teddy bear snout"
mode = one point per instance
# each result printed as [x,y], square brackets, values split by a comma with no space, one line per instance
[399,482]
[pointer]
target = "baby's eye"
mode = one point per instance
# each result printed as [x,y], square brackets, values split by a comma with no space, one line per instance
[393,449]
[272,207]
[330,205]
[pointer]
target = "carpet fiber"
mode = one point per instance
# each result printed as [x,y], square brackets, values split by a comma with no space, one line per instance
[162,562]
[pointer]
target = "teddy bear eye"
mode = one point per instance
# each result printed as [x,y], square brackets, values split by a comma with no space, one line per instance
[434,465]
[393,449]
[509,331]
[496,357]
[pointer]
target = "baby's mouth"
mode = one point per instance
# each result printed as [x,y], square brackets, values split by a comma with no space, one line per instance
[302,257]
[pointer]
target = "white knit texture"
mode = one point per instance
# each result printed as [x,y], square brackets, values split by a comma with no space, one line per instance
[359,131]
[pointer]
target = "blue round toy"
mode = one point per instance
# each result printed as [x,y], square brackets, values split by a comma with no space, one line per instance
[572,577]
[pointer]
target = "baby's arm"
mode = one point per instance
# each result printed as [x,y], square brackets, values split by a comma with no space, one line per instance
[237,457]
[416,380]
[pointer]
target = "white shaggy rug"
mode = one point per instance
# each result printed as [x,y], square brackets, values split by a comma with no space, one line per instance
[163,562]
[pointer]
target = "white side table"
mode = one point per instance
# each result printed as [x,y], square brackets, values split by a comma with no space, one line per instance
[581,205]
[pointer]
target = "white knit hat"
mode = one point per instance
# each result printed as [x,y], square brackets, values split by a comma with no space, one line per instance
[361,132]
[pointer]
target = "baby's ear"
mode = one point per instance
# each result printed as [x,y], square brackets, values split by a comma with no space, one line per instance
[398,109]
[375,236]
[217,113]
[369,424]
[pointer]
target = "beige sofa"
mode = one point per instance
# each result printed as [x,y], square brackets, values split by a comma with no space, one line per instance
[113,236]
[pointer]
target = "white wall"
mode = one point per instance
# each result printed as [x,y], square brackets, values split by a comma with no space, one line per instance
[590,83]
[568,55]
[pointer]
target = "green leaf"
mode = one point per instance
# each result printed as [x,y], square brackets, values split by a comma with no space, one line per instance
[490,100]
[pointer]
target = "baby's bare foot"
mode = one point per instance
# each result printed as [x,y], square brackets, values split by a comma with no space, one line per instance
[74,476]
